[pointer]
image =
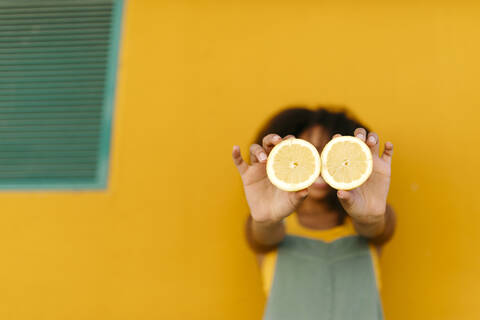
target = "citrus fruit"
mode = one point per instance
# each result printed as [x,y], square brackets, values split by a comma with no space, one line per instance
[346,162]
[293,165]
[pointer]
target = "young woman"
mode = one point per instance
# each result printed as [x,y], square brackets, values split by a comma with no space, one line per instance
[318,247]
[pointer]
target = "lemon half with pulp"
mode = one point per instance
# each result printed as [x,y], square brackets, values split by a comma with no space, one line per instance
[346,162]
[293,165]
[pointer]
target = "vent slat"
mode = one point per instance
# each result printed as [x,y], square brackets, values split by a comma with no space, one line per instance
[49,174]
[52,56]
[46,154]
[30,39]
[42,127]
[48,97]
[46,44]
[48,134]
[47,161]
[26,169]
[48,147]
[5,70]
[27,143]
[49,91]
[57,9]
[52,80]
[53,103]
[36,122]
[53,61]
[6,15]
[49,74]
[36,32]
[56,27]
[50,141]
[49,110]
[48,49]
[52,86]
[51,116]
[47,183]
[54,21]
[21,4]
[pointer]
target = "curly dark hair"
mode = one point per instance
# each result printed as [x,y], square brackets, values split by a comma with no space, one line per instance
[296,119]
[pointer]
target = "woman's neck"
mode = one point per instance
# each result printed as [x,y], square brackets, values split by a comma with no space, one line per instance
[314,214]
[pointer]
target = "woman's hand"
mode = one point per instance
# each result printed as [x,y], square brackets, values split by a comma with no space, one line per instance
[367,204]
[267,203]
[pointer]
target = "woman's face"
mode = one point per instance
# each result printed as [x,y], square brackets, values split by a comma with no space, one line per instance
[319,137]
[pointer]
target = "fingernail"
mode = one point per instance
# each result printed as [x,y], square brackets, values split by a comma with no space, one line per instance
[303,193]
[262,157]
[371,139]
[361,136]
[277,138]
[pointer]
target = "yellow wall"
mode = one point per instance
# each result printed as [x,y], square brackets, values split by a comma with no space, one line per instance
[165,241]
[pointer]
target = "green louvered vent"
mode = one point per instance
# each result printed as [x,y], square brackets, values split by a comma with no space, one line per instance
[57,77]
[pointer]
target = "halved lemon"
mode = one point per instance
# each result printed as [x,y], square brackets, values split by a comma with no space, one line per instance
[293,165]
[346,162]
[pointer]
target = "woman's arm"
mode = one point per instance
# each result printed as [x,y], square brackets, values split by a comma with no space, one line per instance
[264,236]
[381,231]
[372,217]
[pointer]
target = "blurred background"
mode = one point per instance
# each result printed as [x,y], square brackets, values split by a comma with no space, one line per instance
[162,236]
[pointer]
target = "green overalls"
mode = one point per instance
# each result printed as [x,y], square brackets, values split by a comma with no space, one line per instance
[327,275]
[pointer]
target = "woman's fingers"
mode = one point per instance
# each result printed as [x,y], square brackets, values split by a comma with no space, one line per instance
[297,197]
[360,133]
[344,195]
[257,154]
[290,136]
[373,143]
[388,152]
[241,165]
[347,198]
[371,140]
[270,140]
[302,193]
[336,135]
